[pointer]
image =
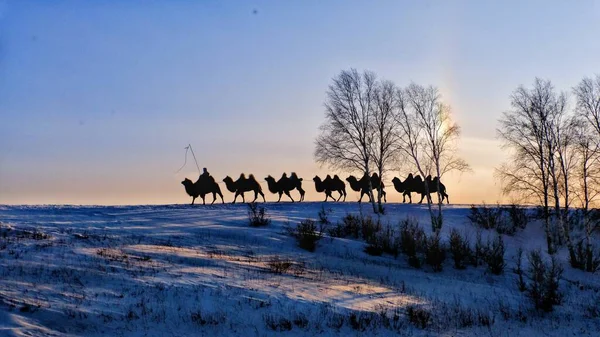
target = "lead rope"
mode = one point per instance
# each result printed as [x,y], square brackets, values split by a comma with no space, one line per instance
[189,147]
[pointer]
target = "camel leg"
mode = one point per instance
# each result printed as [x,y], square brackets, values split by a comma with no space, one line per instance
[193,198]
[235,197]
[203,200]
[222,200]
[288,194]
[422,197]
[330,193]
[214,198]
[344,195]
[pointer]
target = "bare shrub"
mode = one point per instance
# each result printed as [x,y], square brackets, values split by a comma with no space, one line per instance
[543,289]
[460,249]
[494,255]
[278,265]
[419,316]
[435,252]
[257,216]
[411,238]
[519,271]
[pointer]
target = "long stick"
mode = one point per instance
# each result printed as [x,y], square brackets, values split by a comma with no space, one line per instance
[190,146]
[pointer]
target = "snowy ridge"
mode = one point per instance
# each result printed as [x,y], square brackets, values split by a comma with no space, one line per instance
[160,270]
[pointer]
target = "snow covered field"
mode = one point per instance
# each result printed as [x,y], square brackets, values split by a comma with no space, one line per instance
[180,270]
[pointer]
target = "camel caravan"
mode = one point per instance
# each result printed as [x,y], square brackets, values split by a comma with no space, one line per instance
[206,184]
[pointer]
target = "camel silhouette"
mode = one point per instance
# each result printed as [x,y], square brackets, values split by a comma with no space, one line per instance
[417,184]
[203,186]
[297,184]
[243,185]
[283,185]
[362,185]
[329,185]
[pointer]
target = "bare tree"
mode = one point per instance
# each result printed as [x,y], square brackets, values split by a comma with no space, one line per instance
[384,124]
[560,140]
[587,93]
[347,134]
[428,136]
[524,131]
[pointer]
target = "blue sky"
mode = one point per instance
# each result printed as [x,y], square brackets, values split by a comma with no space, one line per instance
[99,98]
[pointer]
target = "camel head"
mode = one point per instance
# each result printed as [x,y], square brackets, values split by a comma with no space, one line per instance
[186,182]
[396,181]
[229,183]
[316,179]
[354,183]
[270,179]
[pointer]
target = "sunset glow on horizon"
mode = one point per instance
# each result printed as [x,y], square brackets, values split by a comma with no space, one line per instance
[99,99]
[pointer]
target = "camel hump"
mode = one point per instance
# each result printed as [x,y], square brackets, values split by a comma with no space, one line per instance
[251,176]
[293,175]
[410,176]
[243,176]
[329,177]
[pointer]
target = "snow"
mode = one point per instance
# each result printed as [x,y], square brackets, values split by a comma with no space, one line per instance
[180,270]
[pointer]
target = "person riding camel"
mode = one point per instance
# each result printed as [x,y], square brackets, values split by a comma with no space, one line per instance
[205,175]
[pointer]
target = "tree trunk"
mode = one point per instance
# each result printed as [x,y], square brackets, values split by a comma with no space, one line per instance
[440,218]
[380,189]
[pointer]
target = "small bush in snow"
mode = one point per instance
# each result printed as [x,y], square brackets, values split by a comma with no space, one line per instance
[278,324]
[485,217]
[356,226]
[519,271]
[384,241]
[307,235]
[279,266]
[518,216]
[411,238]
[257,216]
[324,221]
[504,220]
[494,255]
[460,249]
[369,227]
[203,319]
[543,288]
[374,248]
[350,226]
[586,258]
[592,308]
[418,316]
[478,255]
[435,252]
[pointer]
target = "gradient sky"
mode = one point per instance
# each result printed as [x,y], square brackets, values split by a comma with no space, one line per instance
[99,98]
